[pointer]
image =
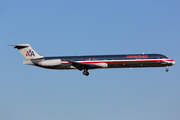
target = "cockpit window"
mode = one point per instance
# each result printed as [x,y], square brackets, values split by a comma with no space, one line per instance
[164,57]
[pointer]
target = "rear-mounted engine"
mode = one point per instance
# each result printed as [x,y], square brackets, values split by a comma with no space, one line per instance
[50,63]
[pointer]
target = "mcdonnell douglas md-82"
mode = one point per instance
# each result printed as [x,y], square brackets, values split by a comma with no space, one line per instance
[86,63]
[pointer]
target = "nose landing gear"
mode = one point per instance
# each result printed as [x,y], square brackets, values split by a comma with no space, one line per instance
[167,69]
[85,72]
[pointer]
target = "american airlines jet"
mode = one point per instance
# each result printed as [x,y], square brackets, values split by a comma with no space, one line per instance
[86,63]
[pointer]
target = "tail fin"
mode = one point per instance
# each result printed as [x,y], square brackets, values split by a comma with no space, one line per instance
[27,51]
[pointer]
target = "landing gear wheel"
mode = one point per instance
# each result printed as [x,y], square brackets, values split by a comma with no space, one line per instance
[85,73]
[167,69]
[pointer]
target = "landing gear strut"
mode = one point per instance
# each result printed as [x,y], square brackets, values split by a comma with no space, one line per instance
[85,72]
[167,69]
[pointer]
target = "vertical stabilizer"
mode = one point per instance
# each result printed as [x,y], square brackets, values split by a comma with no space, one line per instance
[27,51]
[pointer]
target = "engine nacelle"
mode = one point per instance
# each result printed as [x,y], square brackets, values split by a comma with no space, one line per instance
[103,65]
[50,63]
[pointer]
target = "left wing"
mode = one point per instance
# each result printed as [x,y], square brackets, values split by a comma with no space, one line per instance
[81,66]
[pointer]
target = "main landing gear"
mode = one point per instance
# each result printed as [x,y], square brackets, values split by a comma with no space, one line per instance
[85,72]
[167,69]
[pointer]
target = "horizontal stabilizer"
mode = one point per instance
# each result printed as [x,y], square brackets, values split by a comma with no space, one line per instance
[20,46]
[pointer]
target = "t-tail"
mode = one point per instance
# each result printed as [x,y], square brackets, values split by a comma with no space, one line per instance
[27,51]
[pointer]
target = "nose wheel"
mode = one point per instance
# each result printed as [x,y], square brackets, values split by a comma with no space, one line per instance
[85,72]
[167,69]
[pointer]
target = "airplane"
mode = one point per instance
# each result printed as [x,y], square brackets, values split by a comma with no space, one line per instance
[86,63]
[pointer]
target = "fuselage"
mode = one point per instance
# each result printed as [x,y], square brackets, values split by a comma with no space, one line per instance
[113,61]
[93,61]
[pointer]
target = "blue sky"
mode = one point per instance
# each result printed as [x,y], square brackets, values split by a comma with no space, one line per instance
[60,28]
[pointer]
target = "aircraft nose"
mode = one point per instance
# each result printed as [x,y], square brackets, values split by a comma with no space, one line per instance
[173,62]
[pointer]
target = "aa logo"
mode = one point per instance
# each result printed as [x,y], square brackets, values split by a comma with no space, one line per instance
[30,53]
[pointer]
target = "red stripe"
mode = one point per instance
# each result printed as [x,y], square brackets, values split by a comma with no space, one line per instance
[121,61]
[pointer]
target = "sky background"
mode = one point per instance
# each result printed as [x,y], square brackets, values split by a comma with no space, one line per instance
[95,27]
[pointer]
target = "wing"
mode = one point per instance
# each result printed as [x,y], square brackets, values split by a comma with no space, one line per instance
[81,66]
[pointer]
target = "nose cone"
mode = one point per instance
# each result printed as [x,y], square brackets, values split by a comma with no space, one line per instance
[173,62]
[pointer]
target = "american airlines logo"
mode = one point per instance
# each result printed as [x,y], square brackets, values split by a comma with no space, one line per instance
[137,56]
[30,53]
